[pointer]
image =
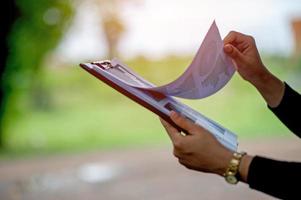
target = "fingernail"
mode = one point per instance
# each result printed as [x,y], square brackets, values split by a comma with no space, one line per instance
[227,48]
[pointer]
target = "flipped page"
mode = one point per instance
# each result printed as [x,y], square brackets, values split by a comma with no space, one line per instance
[209,71]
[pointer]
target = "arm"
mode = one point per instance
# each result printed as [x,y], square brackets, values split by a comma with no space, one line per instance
[288,109]
[243,51]
[201,151]
[275,177]
[280,98]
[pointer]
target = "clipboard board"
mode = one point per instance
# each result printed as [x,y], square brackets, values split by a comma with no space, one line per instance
[116,75]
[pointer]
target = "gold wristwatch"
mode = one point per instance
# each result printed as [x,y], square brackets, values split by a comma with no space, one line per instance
[232,173]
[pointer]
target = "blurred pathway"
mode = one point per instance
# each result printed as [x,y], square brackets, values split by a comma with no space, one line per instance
[149,174]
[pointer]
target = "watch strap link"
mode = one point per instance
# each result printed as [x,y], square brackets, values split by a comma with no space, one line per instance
[232,175]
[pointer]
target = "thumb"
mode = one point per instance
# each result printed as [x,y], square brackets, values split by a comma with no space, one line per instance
[234,53]
[183,122]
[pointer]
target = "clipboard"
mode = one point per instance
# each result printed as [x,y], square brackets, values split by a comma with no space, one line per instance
[115,74]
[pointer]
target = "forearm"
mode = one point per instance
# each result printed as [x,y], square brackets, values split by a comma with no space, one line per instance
[281,99]
[270,88]
[275,177]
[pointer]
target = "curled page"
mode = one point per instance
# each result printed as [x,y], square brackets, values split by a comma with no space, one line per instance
[209,71]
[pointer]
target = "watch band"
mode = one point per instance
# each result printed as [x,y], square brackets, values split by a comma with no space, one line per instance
[232,173]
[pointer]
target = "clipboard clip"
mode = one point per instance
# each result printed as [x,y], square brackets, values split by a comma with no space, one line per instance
[105,64]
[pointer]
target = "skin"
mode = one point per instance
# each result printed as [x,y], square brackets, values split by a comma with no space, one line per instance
[200,150]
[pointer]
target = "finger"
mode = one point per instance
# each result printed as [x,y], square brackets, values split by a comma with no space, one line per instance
[234,38]
[172,132]
[182,122]
[185,163]
[166,125]
[234,53]
[176,153]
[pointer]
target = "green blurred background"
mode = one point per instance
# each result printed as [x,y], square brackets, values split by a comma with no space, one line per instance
[54,107]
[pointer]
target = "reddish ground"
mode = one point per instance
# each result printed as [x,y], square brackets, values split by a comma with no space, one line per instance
[150,173]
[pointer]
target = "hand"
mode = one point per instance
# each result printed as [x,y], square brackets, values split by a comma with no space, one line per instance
[243,51]
[199,150]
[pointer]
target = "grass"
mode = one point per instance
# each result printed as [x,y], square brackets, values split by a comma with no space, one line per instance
[86,114]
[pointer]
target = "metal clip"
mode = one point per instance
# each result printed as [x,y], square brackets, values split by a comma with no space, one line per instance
[105,64]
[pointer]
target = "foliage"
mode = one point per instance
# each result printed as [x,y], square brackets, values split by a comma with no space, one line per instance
[37,31]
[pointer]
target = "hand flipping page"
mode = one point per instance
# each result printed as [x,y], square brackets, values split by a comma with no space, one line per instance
[209,71]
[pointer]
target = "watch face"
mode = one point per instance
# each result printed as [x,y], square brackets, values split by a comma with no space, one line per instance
[231,179]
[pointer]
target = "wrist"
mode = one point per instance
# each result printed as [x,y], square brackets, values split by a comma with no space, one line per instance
[223,163]
[270,87]
[261,78]
[232,174]
[244,167]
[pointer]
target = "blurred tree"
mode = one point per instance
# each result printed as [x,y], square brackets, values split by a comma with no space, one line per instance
[296,24]
[112,23]
[9,13]
[113,29]
[38,30]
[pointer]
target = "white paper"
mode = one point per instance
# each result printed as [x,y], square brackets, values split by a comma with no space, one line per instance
[209,71]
